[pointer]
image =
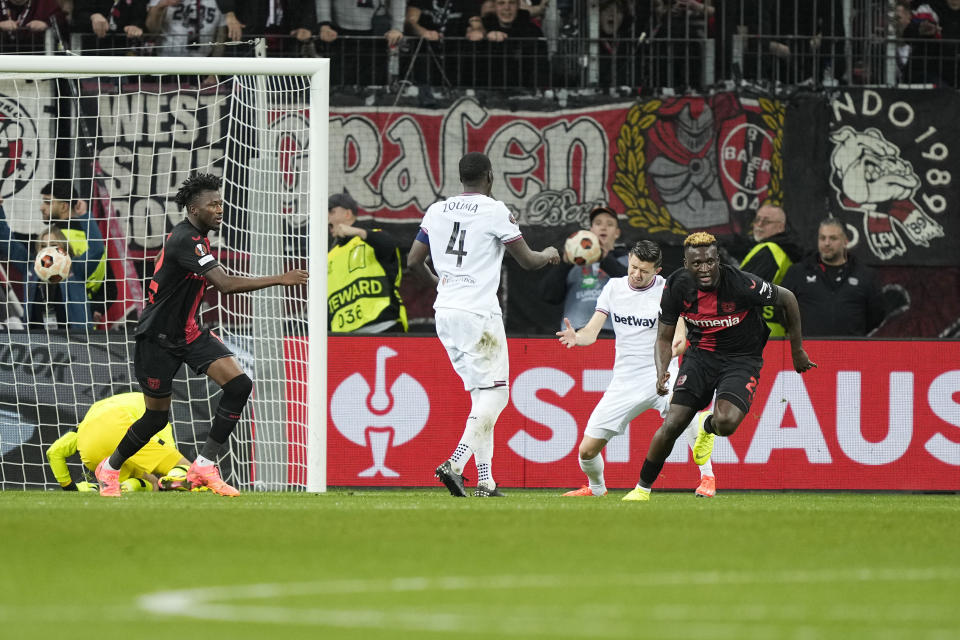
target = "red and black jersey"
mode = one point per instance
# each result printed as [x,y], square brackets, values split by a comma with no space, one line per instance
[727,320]
[172,314]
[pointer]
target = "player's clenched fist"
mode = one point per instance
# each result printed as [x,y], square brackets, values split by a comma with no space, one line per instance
[662,382]
[294,277]
[552,255]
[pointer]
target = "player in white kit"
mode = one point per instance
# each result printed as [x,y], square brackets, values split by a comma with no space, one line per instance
[633,303]
[465,237]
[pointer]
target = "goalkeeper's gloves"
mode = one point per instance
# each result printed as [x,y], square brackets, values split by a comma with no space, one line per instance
[135,484]
[87,487]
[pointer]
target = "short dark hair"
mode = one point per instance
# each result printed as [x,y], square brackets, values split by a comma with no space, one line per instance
[834,222]
[648,251]
[344,200]
[194,186]
[473,167]
[59,190]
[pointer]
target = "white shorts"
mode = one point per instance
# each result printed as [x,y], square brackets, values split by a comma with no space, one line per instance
[626,398]
[476,346]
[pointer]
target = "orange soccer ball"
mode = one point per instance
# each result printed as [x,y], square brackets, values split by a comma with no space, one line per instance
[52,264]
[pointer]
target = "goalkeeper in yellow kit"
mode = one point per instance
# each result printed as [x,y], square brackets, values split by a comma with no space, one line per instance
[156,466]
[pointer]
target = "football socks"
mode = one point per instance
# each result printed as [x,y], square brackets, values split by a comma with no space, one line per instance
[594,470]
[232,402]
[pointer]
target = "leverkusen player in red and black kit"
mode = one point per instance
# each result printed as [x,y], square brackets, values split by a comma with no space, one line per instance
[722,308]
[169,334]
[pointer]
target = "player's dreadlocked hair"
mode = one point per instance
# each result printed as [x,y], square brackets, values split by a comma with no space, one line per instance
[699,239]
[647,251]
[194,185]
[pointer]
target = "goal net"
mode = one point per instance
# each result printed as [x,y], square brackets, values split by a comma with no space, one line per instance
[121,135]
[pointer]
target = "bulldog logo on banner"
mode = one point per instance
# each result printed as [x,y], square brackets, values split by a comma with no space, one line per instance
[870,176]
[888,164]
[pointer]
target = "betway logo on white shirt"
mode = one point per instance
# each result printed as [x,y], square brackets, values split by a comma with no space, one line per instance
[635,313]
[634,321]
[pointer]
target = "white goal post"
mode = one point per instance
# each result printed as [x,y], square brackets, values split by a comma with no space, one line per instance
[124,132]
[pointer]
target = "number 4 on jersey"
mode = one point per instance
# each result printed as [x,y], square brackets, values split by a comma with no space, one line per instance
[455,240]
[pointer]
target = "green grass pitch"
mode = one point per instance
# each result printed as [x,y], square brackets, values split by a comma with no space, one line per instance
[419,564]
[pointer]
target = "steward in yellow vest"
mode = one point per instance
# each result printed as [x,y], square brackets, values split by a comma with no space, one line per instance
[776,250]
[363,274]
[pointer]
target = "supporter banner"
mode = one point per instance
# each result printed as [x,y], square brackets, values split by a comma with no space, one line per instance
[882,161]
[670,166]
[873,416]
[27,135]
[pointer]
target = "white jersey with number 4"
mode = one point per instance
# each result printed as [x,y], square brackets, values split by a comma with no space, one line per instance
[634,313]
[467,238]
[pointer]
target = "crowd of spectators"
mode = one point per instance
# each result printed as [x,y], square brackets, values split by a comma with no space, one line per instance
[503,44]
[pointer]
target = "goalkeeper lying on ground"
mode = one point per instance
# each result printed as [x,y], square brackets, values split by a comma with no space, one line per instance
[158,465]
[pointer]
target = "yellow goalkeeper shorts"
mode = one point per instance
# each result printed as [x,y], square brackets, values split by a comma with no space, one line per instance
[156,457]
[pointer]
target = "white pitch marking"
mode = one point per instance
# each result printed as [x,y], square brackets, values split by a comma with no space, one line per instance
[577,621]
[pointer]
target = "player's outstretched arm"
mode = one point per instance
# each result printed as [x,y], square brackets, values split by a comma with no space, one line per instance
[62,448]
[787,302]
[417,262]
[225,283]
[569,337]
[530,259]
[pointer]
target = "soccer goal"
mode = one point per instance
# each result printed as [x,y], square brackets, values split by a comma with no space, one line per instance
[123,133]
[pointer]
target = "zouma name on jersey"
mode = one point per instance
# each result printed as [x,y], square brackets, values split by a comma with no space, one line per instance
[727,319]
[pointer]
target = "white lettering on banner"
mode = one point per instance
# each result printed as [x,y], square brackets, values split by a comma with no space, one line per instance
[355,158]
[940,398]
[152,153]
[788,390]
[407,179]
[900,431]
[899,114]
[563,138]
[517,150]
[511,150]
[564,427]
[463,116]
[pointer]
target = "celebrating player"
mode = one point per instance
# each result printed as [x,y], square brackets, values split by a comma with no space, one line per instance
[465,237]
[633,302]
[102,427]
[169,334]
[721,307]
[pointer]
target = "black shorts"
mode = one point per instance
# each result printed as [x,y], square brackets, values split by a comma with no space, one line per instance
[156,364]
[734,378]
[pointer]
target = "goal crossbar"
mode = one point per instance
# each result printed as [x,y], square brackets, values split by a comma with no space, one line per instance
[147,65]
